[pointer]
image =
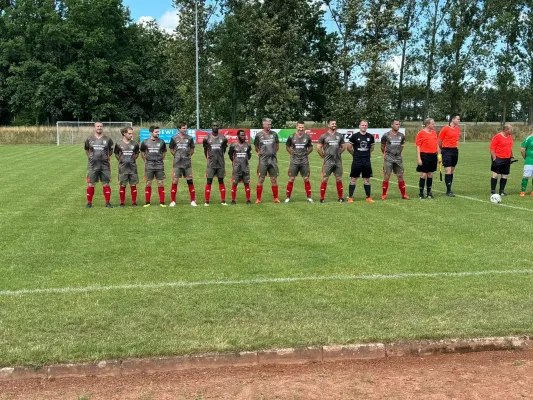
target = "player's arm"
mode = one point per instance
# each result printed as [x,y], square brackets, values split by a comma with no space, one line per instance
[320,146]
[205,144]
[277,143]
[523,152]
[191,146]
[163,151]
[172,146]
[231,152]
[492,148]
[143,151]
[256,144]
[117,152]
[136,151]
[419,159]
[372,144]
[87,147]
[224,145]
[402,144]
[249,152]
[383,144]
[310,147]
[288,145]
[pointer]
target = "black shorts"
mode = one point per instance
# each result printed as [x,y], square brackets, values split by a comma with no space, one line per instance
[501,166]
[363,169]
[450,156]
[429,163]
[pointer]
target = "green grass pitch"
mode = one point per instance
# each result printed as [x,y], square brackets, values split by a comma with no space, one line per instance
[49,240]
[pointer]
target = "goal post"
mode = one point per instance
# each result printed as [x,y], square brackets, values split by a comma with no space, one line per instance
[76,132]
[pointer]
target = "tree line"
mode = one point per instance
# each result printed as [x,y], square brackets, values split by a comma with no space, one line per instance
[285,59]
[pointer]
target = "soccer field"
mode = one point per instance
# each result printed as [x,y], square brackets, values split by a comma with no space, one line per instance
[83,284]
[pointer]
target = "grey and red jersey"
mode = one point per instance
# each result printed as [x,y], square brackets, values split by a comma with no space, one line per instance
[215,147]
[332,144]
[154,150]
[182,146]
[393,145]
[240,155]
[127,155]
[300,148]
[267,144]
[100,151]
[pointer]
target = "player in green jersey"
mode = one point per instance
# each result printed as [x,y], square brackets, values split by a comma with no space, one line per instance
[526,149]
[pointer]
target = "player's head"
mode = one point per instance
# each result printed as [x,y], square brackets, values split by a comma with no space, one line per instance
[332,125]
[396,125]
[507,129]
[127,132]
[154,131]
[241,136]
[214,127]
[300,127]
[455,118]
[183,128]
[429,123]
[98,128]
[267,124]
[363,126]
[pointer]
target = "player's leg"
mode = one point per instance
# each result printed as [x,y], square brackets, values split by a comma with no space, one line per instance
[246,181]
[123,180]
[209,175]
[91,179]
[105,177]
[305,171]
[274,172]
[222,187]
[190,185]
[429,185]
[262,173]
[354,174]
[528,171]
[422,184]
[387,170]
[176,175]
[398,170]
[293,172]
[338,181]
[149,176]
[367,174]
[134,180]
[160,176]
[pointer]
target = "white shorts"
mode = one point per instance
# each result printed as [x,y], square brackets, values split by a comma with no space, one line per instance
[528,171]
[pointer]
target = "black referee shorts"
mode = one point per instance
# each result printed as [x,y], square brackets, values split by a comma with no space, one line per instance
[429,163]
[501,166]
[450,156]
[361,168]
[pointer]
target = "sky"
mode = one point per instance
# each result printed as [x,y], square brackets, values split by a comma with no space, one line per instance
[160,10]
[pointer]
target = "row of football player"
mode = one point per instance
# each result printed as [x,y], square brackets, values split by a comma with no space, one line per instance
[432,150]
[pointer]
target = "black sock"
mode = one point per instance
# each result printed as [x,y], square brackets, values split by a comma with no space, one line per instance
[448,180]
[503,182]
[351,189]
[429,184]
[451,178]
[493,182]
[367,189]
[421,184]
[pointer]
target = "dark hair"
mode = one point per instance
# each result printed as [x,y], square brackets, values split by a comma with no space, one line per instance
[240,131]
[452,117]
[153,128]
[394,120]
[123,131]
[300,123]
[182,124]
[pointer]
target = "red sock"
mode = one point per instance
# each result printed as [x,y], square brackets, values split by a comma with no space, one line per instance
[207,193]
[385,187]
[290,185]
[192,192]
[90,194]
[401,185]
[148,194]
[173,191]
[339,189]
[323,187]
[259,192]
[247,191]
[161,191]
[107,193]
[275,191]
[307,186]
[222,192]
[233,192]
[133,190]
[122,194]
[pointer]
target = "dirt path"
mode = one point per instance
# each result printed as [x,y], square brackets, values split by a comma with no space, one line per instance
[486,375]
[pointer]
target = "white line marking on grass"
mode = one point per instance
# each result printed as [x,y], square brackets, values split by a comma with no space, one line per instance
[182,284]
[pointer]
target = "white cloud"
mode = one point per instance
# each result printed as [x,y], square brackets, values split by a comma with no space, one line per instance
[169,20]
[394,63]
[145,19]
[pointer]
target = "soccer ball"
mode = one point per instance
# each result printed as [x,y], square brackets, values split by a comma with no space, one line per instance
[495,198]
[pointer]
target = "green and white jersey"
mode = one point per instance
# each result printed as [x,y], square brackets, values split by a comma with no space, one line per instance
[528,145]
